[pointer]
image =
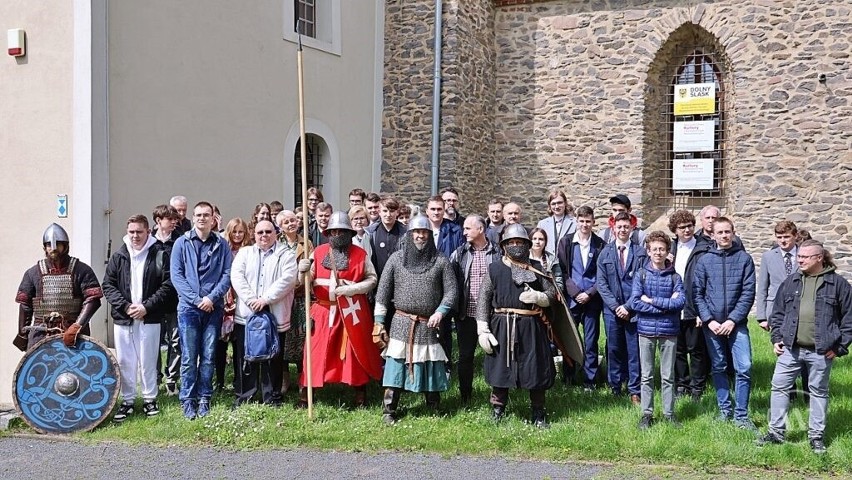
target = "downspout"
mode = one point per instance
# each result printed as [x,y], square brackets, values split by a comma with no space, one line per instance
[436,97]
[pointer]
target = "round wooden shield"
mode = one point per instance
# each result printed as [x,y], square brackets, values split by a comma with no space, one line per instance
[66,390]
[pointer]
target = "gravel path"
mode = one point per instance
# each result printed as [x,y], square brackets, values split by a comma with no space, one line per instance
[36,457]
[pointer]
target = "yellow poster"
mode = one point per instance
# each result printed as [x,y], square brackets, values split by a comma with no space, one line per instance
[695,99]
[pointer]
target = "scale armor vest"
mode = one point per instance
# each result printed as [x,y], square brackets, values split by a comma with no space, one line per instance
[57,294]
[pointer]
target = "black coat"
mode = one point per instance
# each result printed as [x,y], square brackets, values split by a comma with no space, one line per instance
[158,294]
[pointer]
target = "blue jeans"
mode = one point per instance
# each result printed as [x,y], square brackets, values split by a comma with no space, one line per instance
[198,334]
[739,344]
[622,349]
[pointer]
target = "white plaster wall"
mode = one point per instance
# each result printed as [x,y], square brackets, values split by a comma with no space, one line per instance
[203,102]
[35,150]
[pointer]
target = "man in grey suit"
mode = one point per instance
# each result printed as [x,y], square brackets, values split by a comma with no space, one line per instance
[776,264]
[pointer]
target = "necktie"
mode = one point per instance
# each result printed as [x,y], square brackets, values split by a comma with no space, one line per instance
[622,257]
[788,264]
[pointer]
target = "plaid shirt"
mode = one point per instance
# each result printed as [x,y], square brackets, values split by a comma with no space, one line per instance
[478,269]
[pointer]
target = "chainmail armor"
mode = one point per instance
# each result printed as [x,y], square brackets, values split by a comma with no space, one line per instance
[418,261]
[340,249]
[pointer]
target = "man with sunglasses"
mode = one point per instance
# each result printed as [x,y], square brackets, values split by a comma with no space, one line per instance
[263,276]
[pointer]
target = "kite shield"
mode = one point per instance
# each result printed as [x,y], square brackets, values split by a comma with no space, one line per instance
[65,390]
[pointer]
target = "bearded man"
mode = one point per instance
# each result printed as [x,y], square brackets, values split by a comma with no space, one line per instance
[341,345]
[57,295]
[421,283]
[511,327]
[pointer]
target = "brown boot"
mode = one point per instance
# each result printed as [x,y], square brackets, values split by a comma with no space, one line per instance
[360,396]
[389,403]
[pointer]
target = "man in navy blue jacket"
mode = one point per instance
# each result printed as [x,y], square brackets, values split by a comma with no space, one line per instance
[724,290]
[578,253]
[201,270]
[618,263]
[448,237]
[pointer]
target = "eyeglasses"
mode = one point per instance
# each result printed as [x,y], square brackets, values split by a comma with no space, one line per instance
[554,204]
[264,232]
[359,219]
[450,200]
[805,257]
[685,227]
[313,199]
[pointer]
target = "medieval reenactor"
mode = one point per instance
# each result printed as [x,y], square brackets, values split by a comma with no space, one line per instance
[421,283]
[511,326]
[58,295]
[342,350]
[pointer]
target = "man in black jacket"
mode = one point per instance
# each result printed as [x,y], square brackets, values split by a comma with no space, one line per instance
[137,286]
[470,262]
[811,324]
[691,361]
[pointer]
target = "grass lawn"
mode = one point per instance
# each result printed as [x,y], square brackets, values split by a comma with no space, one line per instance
[585,426]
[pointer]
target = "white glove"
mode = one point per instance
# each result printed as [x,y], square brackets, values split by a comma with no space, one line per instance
[487,341]
[304,265]
[345,290]
[535,297]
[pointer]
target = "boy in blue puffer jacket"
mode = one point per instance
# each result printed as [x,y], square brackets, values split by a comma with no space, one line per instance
[657,299]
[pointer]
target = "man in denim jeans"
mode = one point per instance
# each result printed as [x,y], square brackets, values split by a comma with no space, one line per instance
[724,289]
[200,268]
[811,325]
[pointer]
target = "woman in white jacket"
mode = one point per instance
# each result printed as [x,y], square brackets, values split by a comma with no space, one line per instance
[263,275]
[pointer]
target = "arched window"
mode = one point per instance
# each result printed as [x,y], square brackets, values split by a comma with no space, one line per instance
[696,150]
[685,146]
[315,149]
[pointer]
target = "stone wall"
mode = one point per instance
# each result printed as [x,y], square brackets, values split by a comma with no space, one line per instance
[466,154]
[572,84]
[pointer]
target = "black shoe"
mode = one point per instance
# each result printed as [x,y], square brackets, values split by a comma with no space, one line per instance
[680,393]
[645,422]
[696,397]
[539,419]
[124,411]
[818,445]
[150,408]
[671,420]
[769,438]
[497,412]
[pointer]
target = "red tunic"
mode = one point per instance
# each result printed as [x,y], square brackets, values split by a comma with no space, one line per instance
[342,347]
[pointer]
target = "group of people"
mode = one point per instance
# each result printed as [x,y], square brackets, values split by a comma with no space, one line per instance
[388,286]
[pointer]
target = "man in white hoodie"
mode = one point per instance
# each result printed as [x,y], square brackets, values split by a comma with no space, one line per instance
[140,293]
[263,275]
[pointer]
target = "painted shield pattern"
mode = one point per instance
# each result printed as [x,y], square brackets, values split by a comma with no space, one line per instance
[66,390]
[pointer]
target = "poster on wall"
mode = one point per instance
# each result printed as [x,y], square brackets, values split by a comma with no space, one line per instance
[694,136]
[695,99]
[692,174]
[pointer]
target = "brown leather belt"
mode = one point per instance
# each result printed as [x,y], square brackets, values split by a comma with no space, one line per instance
[415,319]
[326,303]
[519,311]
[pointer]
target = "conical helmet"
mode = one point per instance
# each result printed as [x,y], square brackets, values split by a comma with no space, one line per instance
[419,222]
[339,221]
[515,230]
[54,233]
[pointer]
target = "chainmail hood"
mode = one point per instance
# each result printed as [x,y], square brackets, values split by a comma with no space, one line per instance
[418,261]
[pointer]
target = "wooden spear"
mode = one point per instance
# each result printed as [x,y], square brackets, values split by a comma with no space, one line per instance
[305,233]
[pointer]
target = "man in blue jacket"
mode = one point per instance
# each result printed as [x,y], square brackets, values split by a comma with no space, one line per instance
[448,237]
[811,324]
[200,269]
[724,290]
[618,263]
